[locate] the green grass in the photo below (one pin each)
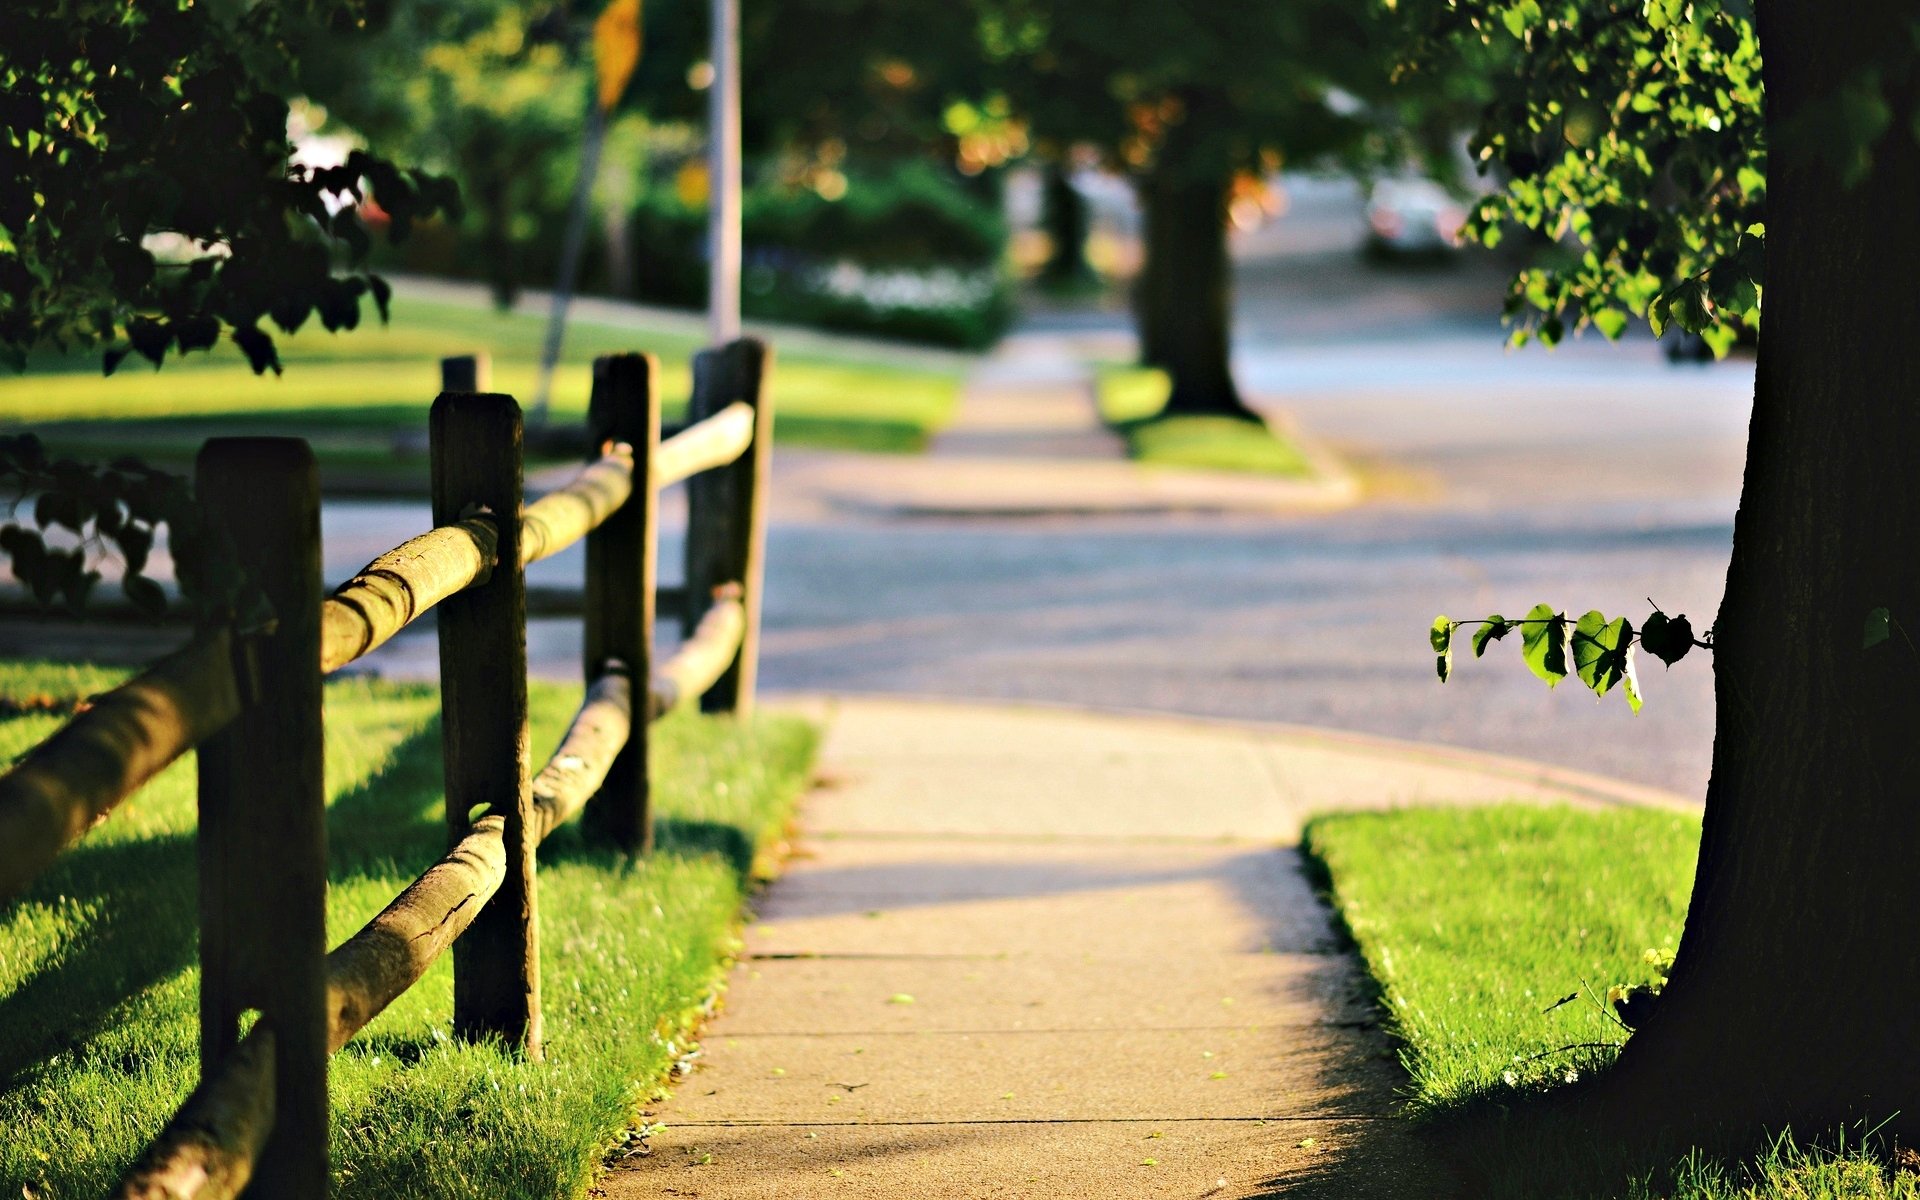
(1473, 923)
(351, 393)
(98, 981)
(1131, 400)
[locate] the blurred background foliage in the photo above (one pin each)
(858, 213)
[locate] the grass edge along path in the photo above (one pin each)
(1492, 935)
(98, 984)
(1130, 401)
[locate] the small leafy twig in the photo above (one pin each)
(1598, 651)
(124, 505)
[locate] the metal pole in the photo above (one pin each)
(571, 245)
(723, 137)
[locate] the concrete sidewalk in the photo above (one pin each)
(1047, 953)
(1028, 441)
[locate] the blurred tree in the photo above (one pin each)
(1067, 218)
(870, 79)
(147, 203)
(1186, 100)
(1637, 129)
(494, 92)
(146, 200)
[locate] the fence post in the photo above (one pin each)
(726, 511)
(622, 573)
(466, 373)
(476, 443)
(262, 794)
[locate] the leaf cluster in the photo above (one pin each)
(1630, 133)
(147, 202)
(120, 509)
(1205, 90)
(1597, 651)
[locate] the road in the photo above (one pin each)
(1595, 476)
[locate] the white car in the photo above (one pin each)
(1413, 216)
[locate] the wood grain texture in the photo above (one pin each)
(726, 511)
(390, 953)
(70, 782)
(387, 594)
(561, 518)
(263, 836)
(622, 585)
(208, 1150)
(476, 451)
(593, 742)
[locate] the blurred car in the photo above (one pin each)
(1410, 217)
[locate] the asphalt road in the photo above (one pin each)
(1595, 476)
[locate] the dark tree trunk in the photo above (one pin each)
(1063, 210)
(1793, 999)
(496, 236)
(1184, 296)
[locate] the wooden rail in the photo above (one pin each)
(392, 590)
(559, 519)
(250, 701)
(713, 442)
(70, 782)
(217, 1132)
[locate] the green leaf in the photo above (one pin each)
(1443, 664)
(1495, 628)
(1667, 638)
(1600, 650)
(1611, 322)
(1879, 628)
(1543, 636)
(1441, 636)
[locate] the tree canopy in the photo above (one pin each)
(492, 92)
(1631, 133)
(147, 202)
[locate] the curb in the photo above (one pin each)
(1599, 789)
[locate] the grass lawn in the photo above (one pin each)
(351, 393)
(1131, 399)
(1474, 922)
(98, 1032)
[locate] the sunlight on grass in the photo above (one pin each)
(354, 391)
(1131, 399)
(1476, 923)
(98, 1026)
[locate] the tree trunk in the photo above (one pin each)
(1793, 997)
(502, 267)
(1063, 211)
(1183, 298)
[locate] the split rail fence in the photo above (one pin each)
(250, 701)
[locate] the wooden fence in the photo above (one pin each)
(250, 701)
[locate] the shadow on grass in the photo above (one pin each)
(142, 927)
(142, 898)
(393, 820)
